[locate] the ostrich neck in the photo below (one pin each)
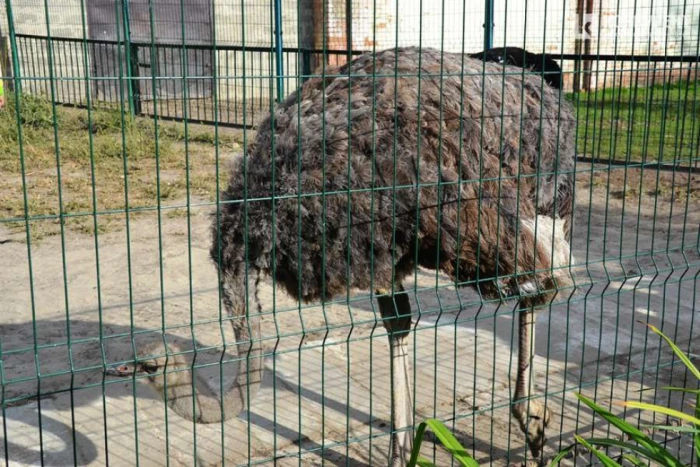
(204, 406)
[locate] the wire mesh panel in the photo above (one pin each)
(288, 232)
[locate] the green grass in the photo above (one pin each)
(650, 124)
(116, 143)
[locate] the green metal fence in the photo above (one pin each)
(117, 156)
(106, 56)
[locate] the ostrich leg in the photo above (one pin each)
(396, 312)
(532, 415)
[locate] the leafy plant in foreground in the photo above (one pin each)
(638, 451)
(446, 438)
(641, 448)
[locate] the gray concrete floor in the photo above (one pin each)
(330, 403)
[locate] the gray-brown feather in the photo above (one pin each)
(402, 145)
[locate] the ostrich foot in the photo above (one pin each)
(533, 417)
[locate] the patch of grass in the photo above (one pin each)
(103, 121)
(176, 213)
(126, 156)
(197, 134)
(651, 124)
(34, 111)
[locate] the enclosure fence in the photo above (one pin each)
(328, 213)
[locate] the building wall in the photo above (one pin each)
(63, 20)
(620, 27)
(250, 76)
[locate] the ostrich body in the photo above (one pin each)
(522, 58)
(413, 159)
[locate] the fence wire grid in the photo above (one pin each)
(332, 214)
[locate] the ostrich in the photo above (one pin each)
(524, 59)
(396, 160)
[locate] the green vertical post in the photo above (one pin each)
(488, 25)
(279, 59)
(348, 28)
(13, 70)
(131, 61)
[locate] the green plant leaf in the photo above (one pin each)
(661, 409)
(679, 429)
(446, 438)
(417, 441)
(613, 443)
(423, 462)
(607, 461)
(562, 454)
(634, 460)
(681, 355)
(451, 444)
(671, 388)
(634, 433)
(696, 438)
(693, 369)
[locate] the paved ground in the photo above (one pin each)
(330, 403)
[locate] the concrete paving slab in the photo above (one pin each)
(330, 405)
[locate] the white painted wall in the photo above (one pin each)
(63, 20)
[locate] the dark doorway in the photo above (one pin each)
(157, 56)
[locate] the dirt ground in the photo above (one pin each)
(324, 398)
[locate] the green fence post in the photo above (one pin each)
(488, 25)
(348, 28)
(8, 51)
(279, 64)
(128, 49)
